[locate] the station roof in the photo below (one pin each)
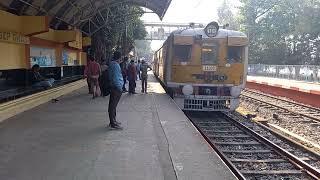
(77, 13)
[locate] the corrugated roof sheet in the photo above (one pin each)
(77, 12)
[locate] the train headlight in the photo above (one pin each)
(235, 91)
(208, 91)
(222, 78)
(187, 90)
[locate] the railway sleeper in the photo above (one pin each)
(248, 151)
(233, 139)
(286, 113)
(212, 122)
(222, 131)
(216, 126)
(315, 114)
(315, 124)
(259, 160)
(228, 136)
(273, 172)
(230, 129)
(304, 121)
(307, 159)
(238, 143)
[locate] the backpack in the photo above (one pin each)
(105, 84)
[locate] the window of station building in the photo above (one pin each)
(182, 52)
(209, 55)
(234, 54)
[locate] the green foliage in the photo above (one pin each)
(226, 16)
(282, 31)
(122, 27)
(143, 49)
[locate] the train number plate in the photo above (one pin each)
(209, 68)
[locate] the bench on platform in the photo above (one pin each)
(14, 93)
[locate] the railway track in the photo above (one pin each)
(286, 107)
(251, 154)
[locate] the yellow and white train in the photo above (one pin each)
(203, 69)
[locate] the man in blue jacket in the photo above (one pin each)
(116, 83)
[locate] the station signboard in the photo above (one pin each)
(12, 37)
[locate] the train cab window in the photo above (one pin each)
(209, 55)
(182, 52)
(234, 54)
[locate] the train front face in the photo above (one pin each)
(208, 68)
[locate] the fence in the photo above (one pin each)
(295, 72)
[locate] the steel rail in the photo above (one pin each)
(225, 159)
(284, 108)
(281, 136)
(303, 166)
(291, 102)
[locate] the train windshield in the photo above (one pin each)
(234, 54)
(182, 52)
(209, 55)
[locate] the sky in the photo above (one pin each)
(186, 11)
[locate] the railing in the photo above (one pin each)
(294, 72)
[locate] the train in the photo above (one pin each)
(203, 69)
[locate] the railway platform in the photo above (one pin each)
(69, 139)
(300, 91)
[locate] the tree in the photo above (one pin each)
(225, 16)
(282, 31)
(143, 49)
(119, 33)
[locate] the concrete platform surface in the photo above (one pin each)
(69, 140)
(302, 86)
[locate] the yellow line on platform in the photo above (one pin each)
(20, 105)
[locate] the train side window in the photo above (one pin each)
(234, 54)
(209, 55)
(182, 52)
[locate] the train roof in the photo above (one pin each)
(200, 31)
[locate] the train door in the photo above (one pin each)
(237, 55)
(168, 60)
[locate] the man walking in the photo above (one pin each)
(124, 70)
(144, 76)
(103, 79)
(132, 77)
(116, 83)
(138, 69)
(94, 72)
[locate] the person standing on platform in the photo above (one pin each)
(103, 80)
(144, 76)
(86, 74)
(116, 84)
(124, 70)
(132, 77)
(94, 72)
(138, 69)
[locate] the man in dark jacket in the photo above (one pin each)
(144, 76)
(132, 77)
(124, 71)
(103, 79)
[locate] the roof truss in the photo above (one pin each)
(89, 16)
